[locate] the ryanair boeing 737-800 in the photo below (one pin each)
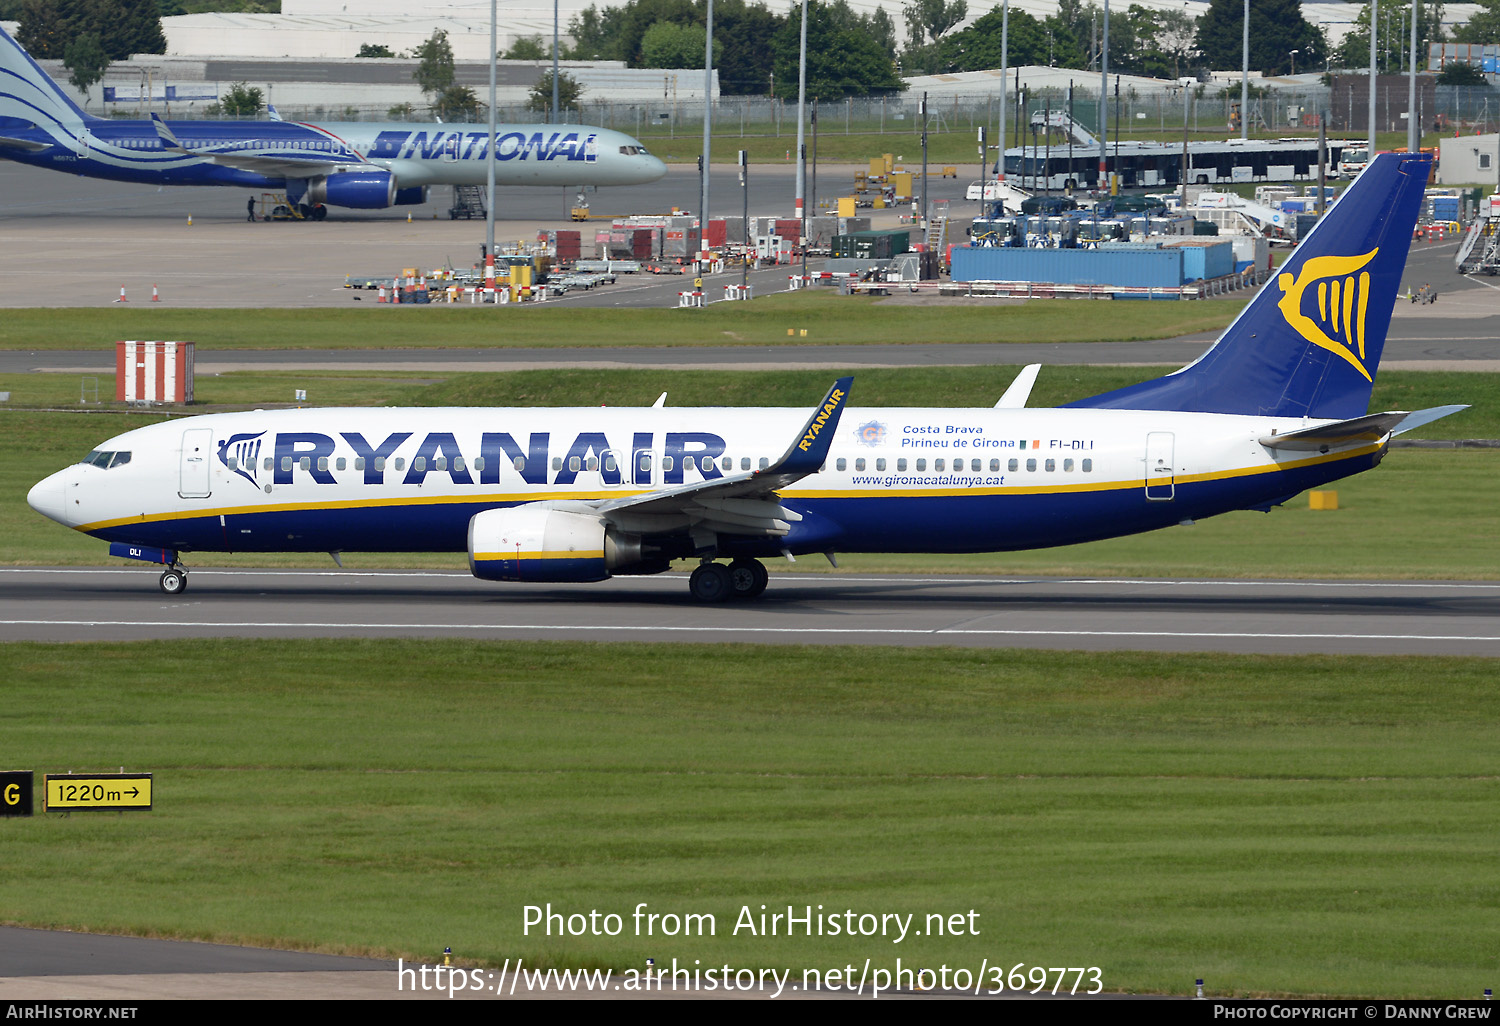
(1276, 406)
(365, 165)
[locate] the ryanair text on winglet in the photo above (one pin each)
(834, 398)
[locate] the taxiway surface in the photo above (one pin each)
(1249, 616)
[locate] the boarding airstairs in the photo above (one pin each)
(1480, 250)
(468, 202)
(1058, 121)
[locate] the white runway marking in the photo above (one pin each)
(677, 578)
(594, 628)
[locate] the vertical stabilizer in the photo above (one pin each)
(1309, 343)
(28, 95)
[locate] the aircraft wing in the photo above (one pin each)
(744, 503)
(308, 166)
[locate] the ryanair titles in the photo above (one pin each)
(401, 458)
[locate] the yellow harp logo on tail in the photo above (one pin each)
(1336, 320)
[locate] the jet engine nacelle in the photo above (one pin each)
(537, 542)
(363, 190)
(412, 196)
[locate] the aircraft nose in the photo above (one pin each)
(657, 170)
(48, 497)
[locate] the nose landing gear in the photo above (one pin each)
(173, 581)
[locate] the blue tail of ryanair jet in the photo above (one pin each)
(1309, 344)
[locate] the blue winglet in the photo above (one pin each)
(811, 447)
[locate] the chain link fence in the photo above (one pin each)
(1205, 110)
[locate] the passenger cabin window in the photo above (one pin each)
(901, 464)
(880, 464)
(744, 462)
(938, 464)
(1067, 465)
(1031, 466)
(994, 466)
(841, 464)
(1088, 466)
(859, 464)
(921, 464)
(1013, 466)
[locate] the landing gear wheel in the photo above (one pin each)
(173, 582)
(304, 211)
(319, 212)
(747, 578)
(710, 583)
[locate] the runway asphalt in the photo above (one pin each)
(1250, 616)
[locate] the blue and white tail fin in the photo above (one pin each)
(28, 96)
(1309, 344)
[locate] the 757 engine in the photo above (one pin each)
(544, 542)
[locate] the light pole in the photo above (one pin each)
(1245, 75)
(1294, 54)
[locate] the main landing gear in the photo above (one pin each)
(716, 582)
(173, 581)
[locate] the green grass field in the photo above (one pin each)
(1275, 825)
(1421, 514)
(828, 320)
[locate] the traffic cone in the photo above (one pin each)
(122, 298)
(408, 217)
(190, 220)
(154, 297)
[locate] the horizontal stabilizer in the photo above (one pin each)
(1358, 430)
(1416, 420)
(27, 145)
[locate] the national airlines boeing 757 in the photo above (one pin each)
(354, 164)
(1276, 406)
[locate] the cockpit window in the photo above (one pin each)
(630, 151)
(105, 460)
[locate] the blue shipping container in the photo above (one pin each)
(1445, 208)
(1200, 262)
(1136, 268)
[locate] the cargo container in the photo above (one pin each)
(1129, 268)
(881, 244)
(1203, 258)
(1250, 251)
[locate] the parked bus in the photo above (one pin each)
(1157, 164)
